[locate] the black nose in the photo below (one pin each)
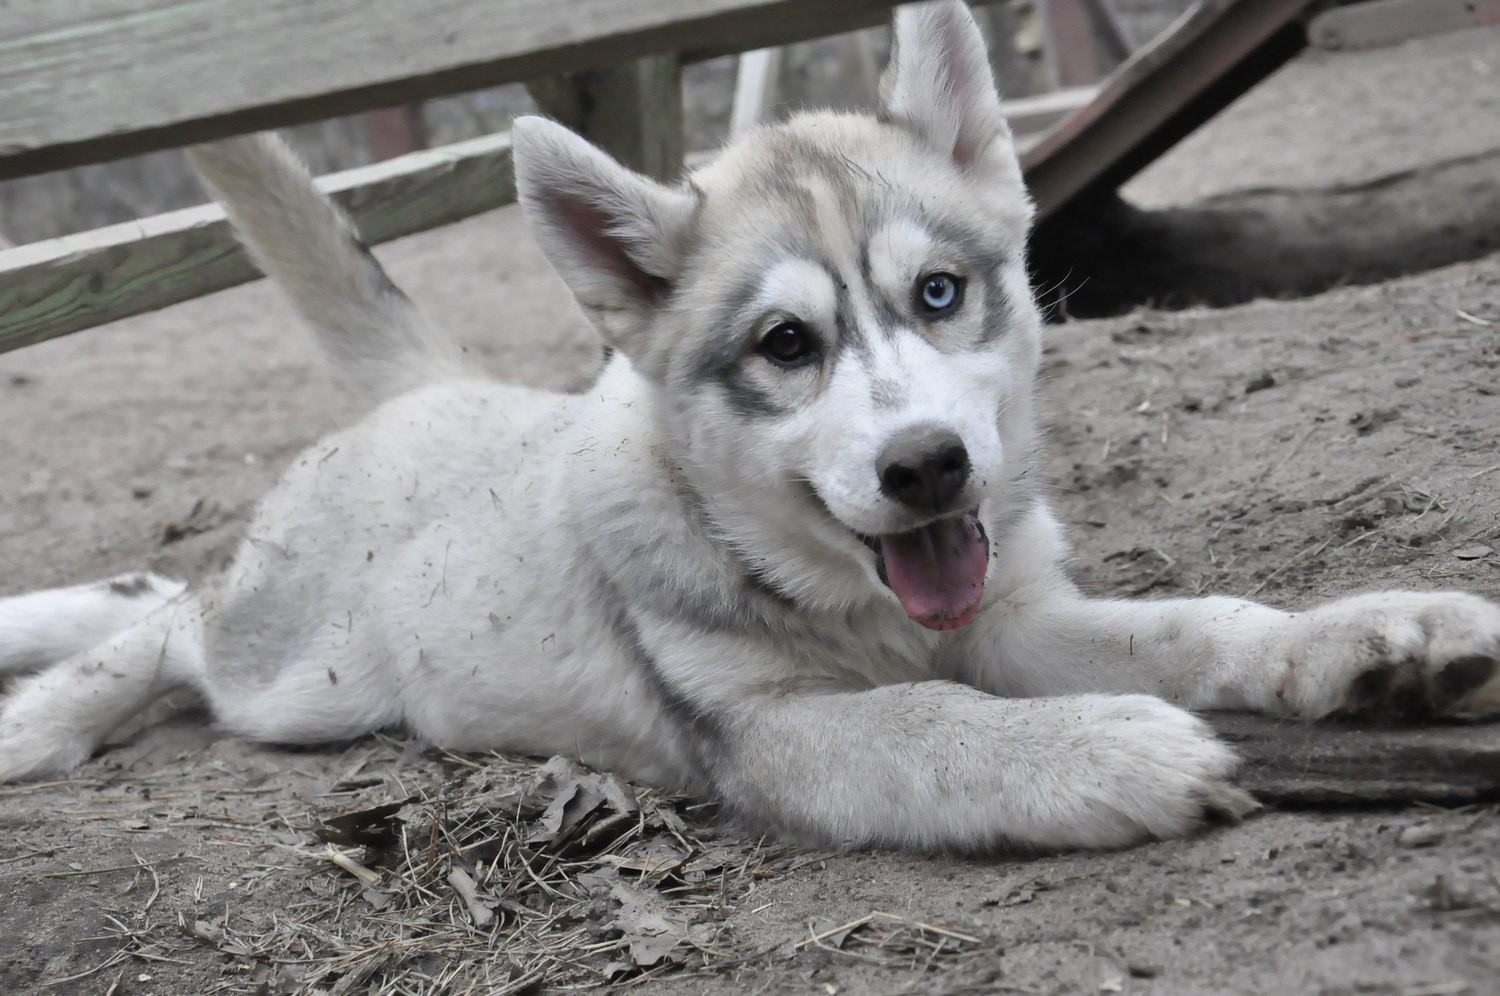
(924, 469)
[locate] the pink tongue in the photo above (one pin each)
(937, 571)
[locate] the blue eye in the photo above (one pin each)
(939, 294)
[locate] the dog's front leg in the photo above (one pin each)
(1399, 653)
(942, 766)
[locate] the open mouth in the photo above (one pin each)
(937, 571)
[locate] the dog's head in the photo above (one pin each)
(835, 317)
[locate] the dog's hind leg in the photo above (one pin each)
(54, 719)
(43, 627)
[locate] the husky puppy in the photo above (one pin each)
(791, 550)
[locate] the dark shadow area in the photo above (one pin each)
(1105, 258)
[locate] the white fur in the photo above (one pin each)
(666, 575)
(41, 627)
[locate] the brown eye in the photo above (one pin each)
(939, 294)
(789, 345)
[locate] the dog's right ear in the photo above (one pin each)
(617, 238)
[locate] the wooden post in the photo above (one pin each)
(1084, 40)
(1020, 69)
(633, 111)
(754, 89)
(396, 131)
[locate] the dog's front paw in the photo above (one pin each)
(1152, 771)
(1394, 656)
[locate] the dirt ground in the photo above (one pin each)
(1287, 449)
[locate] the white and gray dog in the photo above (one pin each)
(789, 551)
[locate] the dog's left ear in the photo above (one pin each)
(939, 85)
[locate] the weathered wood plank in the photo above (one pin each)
(1028, 115)
(633, 111)
(1323, 763)
(1207, 59)
(195, 70)
(52, 288)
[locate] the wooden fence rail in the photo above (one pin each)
(63, 285)
(89, 80)
(199, 69)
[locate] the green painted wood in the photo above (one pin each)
(52, 288)
(89, 80)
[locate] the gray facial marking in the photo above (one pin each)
(997, 310)
(746, 397)
(986, 265)
(966, 240)
(804, 171)
(725, 343)
(887, 315)
(851, 332)
(722, 361)
(795, 157)
(885, 393)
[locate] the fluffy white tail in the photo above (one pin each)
(376, 340)
(44, 627)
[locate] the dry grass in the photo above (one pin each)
(498, 879)
(502, 877)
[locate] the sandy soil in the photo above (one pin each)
(1290, 449)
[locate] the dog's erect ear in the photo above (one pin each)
(939, 85)
(617, 238)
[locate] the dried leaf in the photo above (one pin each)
(829, 934)
(655, 858)
(574, 793)
(651, 933)
(378, 900)
(376, 828)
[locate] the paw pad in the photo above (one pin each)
(1465, 674)
(1407, 691)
